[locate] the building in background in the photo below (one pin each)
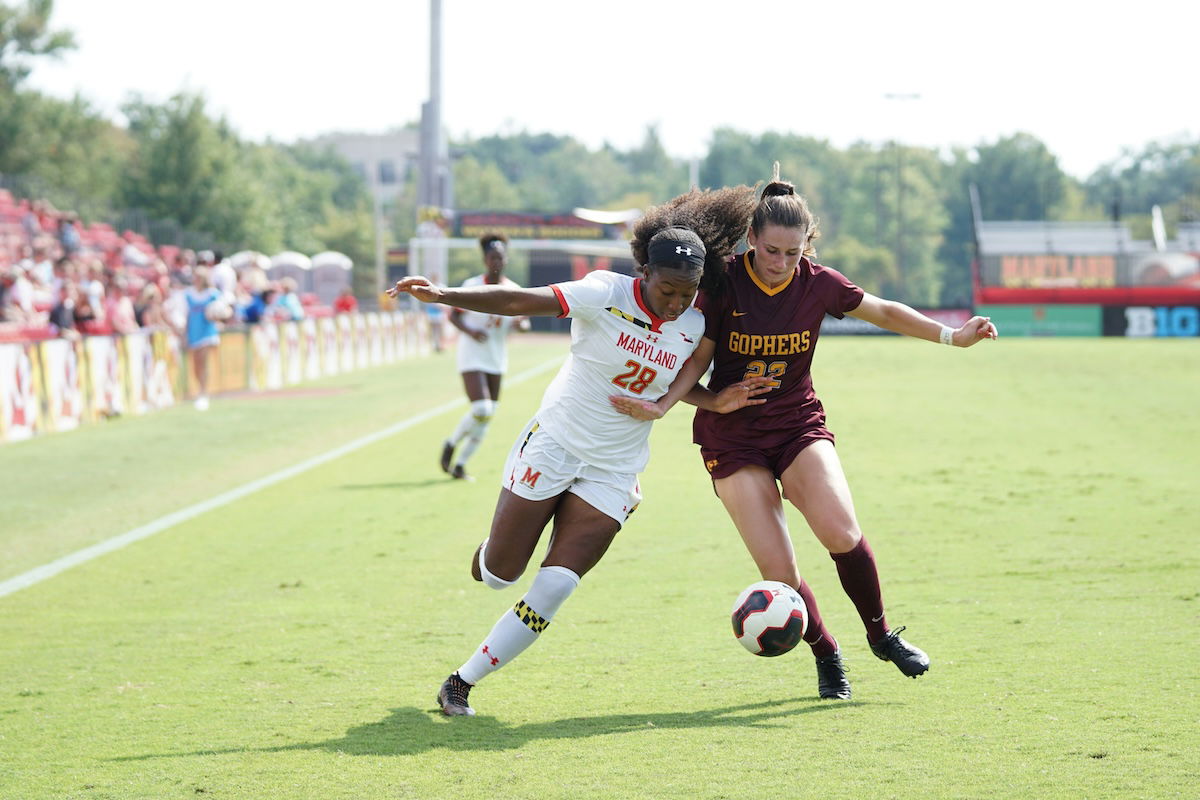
(385, 161)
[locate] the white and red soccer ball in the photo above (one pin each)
(769, 618)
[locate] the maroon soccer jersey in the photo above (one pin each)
(772, 332)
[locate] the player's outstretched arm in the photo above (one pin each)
(900, 318)
(506, 300)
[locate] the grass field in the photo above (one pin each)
(1032, 503)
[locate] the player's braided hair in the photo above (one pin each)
(780, 205)
(718, 216)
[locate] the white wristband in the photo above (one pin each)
(947, 335)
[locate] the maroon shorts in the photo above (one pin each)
(723, 463)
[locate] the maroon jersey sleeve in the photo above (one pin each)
(836, 290)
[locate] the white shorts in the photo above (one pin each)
(538, 468)
(490, 356)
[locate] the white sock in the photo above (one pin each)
(468, 448)
(463, 428)
(520, 627)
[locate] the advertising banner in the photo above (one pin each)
(19, 403)
(374, 339)
(327, 340)
(312, 352)
(61, 384)
(104, 374)
(228, 372)
(267, 370)
(1067, 320)
(1152, 321)
(65, 402)
(293, 359)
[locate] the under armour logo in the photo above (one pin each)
(684, 250)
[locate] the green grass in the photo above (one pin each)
(1031, 503)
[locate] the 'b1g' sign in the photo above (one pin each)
(1142, 321)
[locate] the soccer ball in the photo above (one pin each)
(769, 618)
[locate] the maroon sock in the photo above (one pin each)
(860, 579)
(818, 638)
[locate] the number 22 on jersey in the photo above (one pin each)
(774, 370)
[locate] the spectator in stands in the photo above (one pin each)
(185, 261)
(86, 314)
(175, 303)
(148, 309)
(92, 284)
(118, 307)
(63, 271)
(253, 277)
(68, 234)
(18, 297)
(254, 312)
(131, 254)
(224, 277)
(345, 302)
(41, 269)
(31, 221)
(287, 304)
(62, 316)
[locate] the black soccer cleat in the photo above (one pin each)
(460, 474)
(910, 660)
(831, 677)
(452, 697)
(447, 454)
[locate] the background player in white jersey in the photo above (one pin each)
(578, 460)
(482, 358)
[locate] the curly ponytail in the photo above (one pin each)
(718, 216)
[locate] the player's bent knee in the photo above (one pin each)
(489, 579)
(483, 410)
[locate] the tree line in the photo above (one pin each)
(896, 218)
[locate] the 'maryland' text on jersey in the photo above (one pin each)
(646, 351)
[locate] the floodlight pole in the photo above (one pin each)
(434, 191)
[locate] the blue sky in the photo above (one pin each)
(1087, 79)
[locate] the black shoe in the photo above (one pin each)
(452, 697)
(460, 474)
(910, 660)
(831, 677)
(447, 454)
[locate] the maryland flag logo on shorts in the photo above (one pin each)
(711, 465)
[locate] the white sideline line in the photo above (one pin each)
(39, 574)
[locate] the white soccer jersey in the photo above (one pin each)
(490, 355)
(618, 346)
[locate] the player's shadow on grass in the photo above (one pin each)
(408, 731)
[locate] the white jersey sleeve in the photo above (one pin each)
(490, 355)
(618, 346)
